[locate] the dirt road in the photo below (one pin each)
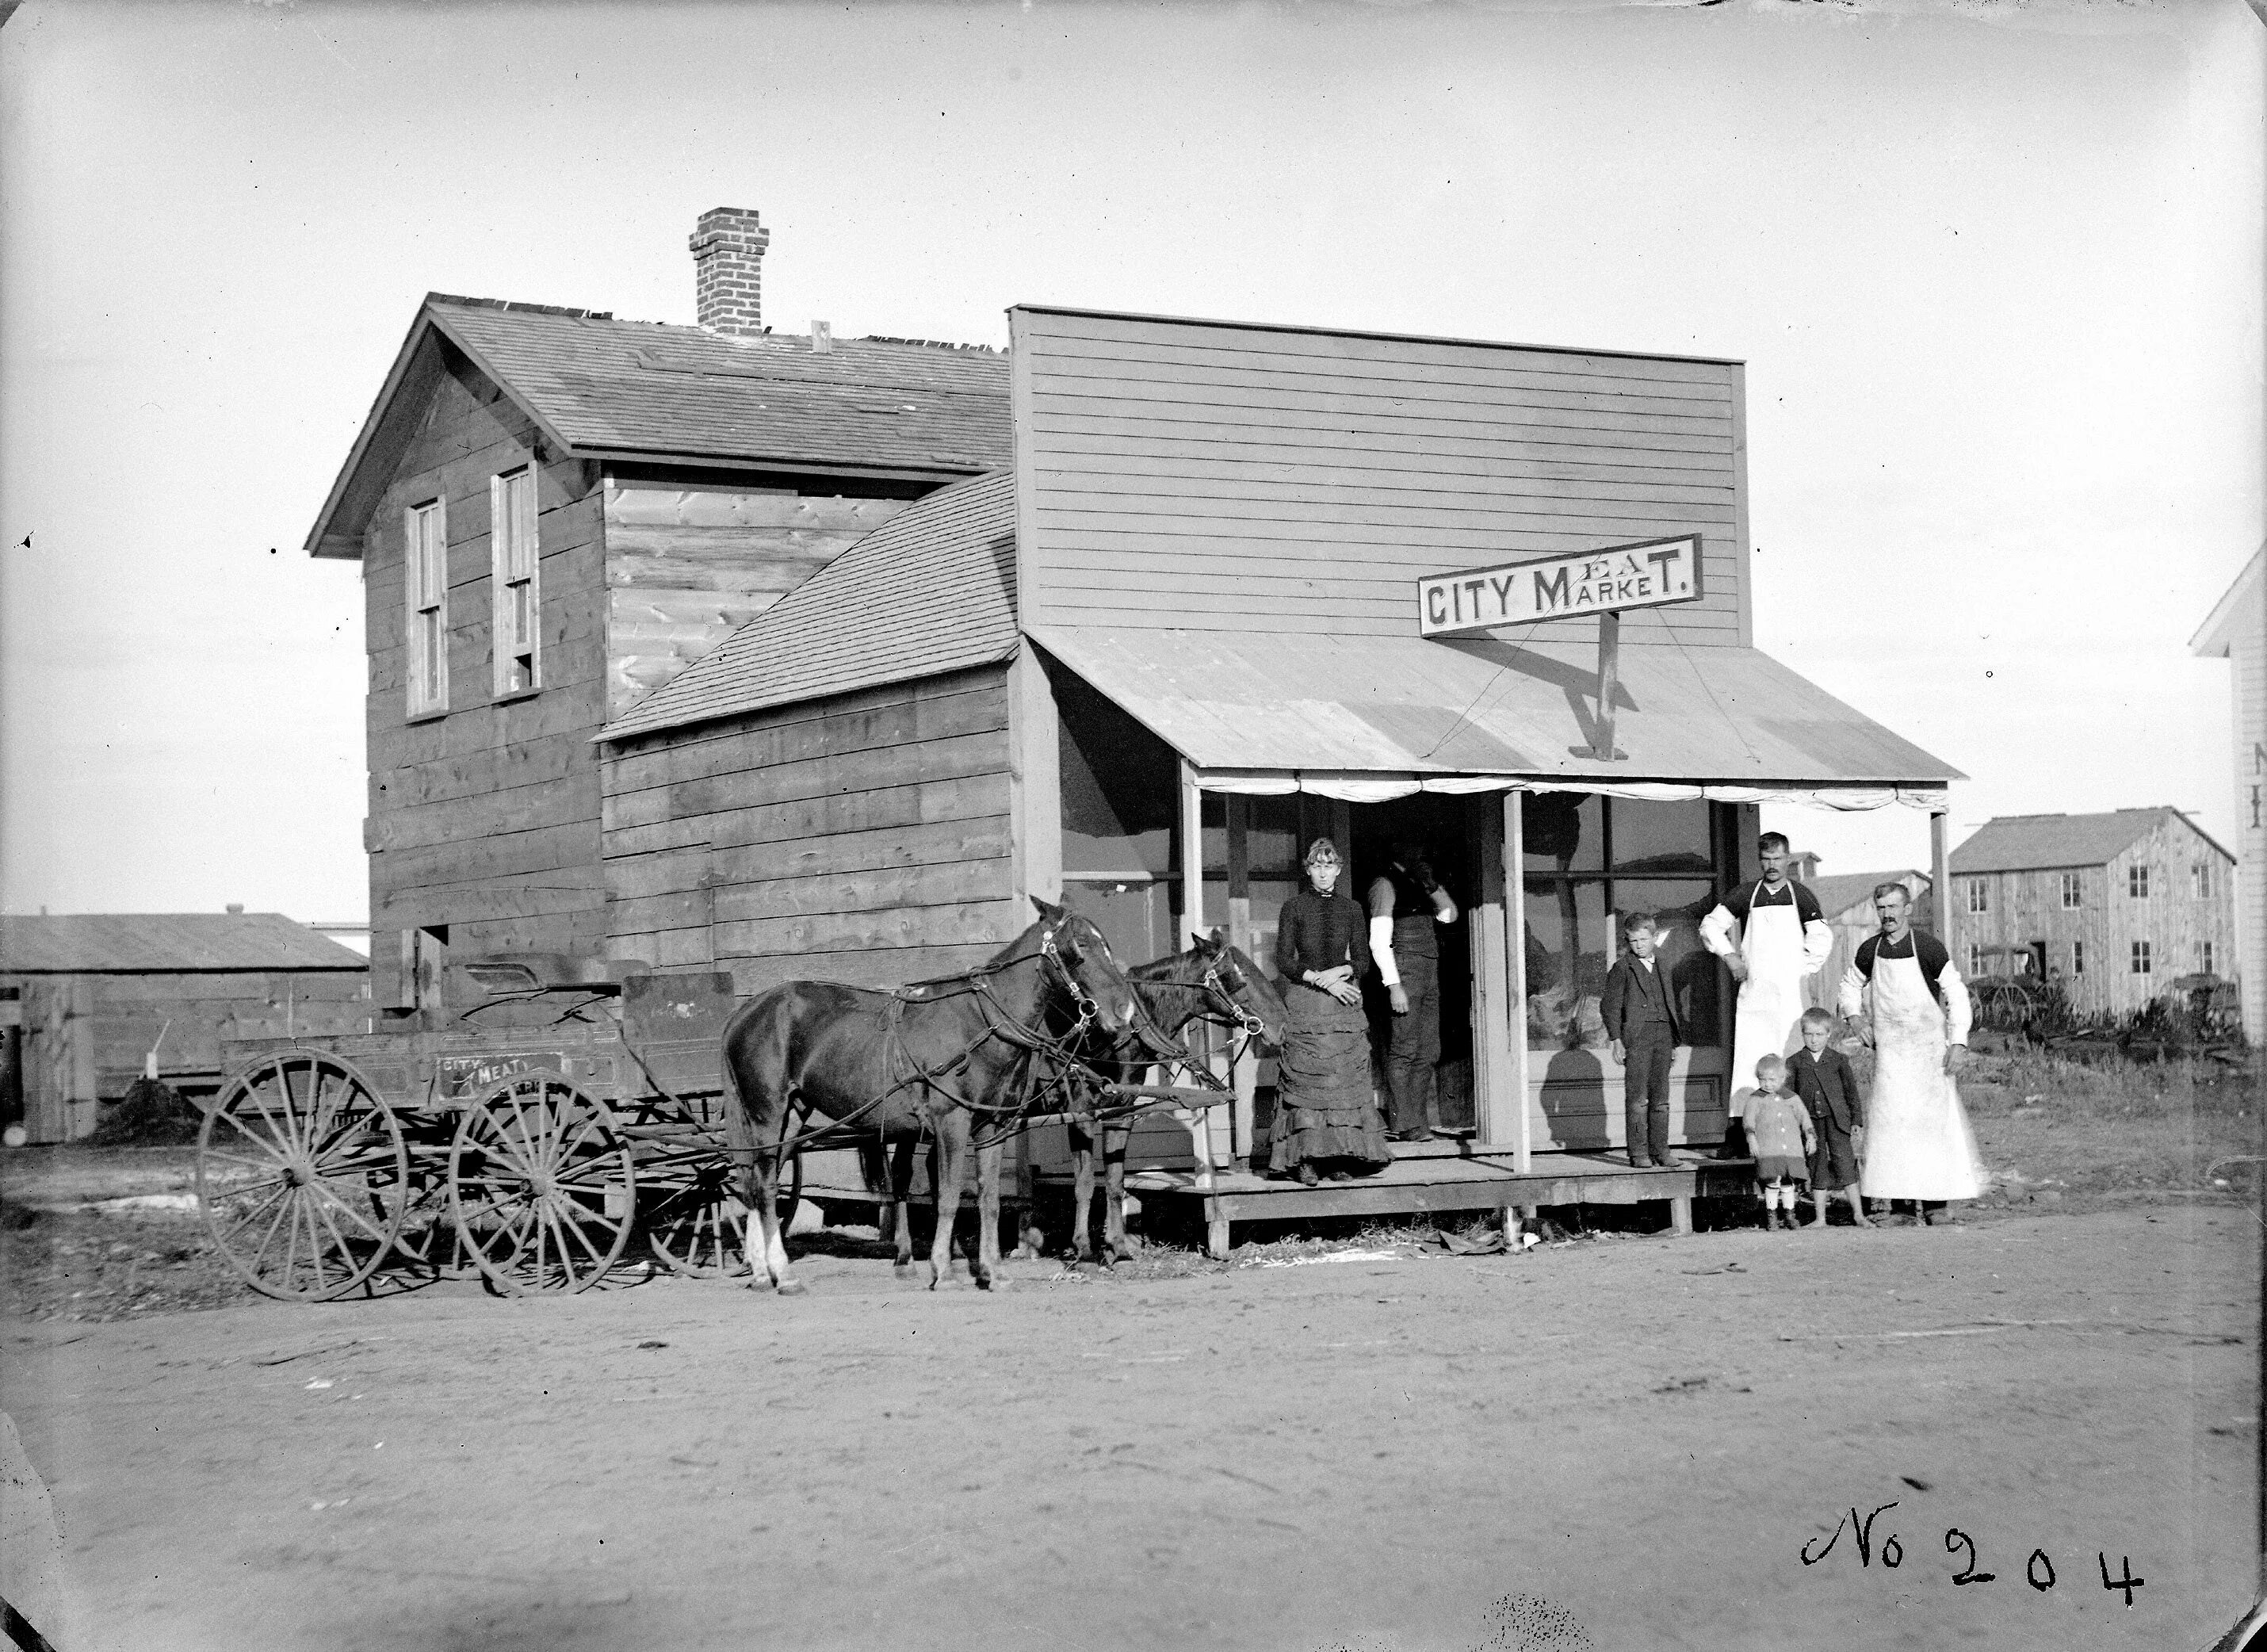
(1610, 1445)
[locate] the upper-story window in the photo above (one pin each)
(2072, 891)
(2137, 882)
(1979, 895)
(2200, 879)
(425, 576)
(513, 554)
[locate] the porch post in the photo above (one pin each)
(1207, 1129)
(1246, 1076)
(1514, 953)
(1493, 1074)
(1940, 878)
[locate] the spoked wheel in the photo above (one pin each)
(300, 1172)
(700, 1227)
(541, 1186)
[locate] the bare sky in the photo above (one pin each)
(1995, 269)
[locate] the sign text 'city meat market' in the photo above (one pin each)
(1645, 575)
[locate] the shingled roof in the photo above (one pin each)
(164, 943)
(930, 590)
(1842, 890)
(2040, 843)
(648, 392)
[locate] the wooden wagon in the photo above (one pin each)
(529, 1140)
(567, 1124)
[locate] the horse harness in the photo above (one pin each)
(1059, 1066)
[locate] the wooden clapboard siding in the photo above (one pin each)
(484, 818)
(2246, 655)
(687, 566)
(864, 837)
(2026, 907)
(1211, 477)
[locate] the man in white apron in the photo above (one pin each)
(1918, 1145)
(1773, 935)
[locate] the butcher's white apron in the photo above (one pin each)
(1770, 998)
(1919, 1144)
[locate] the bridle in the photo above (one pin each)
(1224, 982)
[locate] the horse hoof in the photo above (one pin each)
(791, 1287)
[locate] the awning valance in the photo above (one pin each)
(1386, 787)
(1371, 718)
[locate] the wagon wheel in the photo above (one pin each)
(541, 1187)
(300, 1172)
(699, 1227)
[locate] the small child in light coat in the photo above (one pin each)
(1781, 1136)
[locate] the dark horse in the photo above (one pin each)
(1212, 980)
(942, 1059)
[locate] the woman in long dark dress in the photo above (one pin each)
(1326, 1122)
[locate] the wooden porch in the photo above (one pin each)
(1440, 1178)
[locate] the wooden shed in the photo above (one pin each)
(86, 998)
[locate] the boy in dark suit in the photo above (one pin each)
(1823, 1079)
(1640, 1011)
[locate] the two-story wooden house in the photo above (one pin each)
(2116, 905)
(556, 513)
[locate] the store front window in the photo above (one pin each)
(1590, 862)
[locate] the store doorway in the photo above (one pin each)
(1446, 829)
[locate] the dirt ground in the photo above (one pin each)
(1618, 1443)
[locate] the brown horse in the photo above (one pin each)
(937, 1059)
(1213, 982)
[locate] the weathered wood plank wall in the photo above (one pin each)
(1187, 474)
(2023, 907)
(85, 1036)
(865, 838)
(686, 566)
(484, 818)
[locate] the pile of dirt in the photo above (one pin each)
(153, 1114)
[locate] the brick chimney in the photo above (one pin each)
(728, 259)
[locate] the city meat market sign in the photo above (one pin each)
(1644, 576)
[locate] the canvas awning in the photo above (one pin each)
(1369, 718)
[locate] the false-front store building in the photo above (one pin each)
(1201, 619)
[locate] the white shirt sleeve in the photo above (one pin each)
(1381, 950)
(1957, 1012)
(1817, 946)
(1720, 931)
(1850, 998)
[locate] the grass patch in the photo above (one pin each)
(2120, 1127)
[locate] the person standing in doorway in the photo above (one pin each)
(1406, 906)
(1772, 934)
(1903, 995)
(1326, 1124)
(1638, 1008)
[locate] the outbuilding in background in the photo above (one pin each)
(93, 994)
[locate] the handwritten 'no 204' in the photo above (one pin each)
(2038, 1571)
